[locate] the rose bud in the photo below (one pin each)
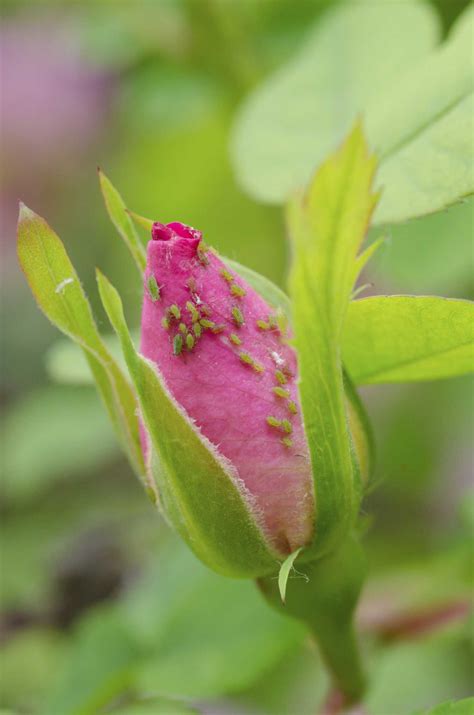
(225, 355)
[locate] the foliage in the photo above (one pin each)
(354, 63)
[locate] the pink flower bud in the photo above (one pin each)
(225, 356)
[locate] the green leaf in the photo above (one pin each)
(352, 56)
(416, 100)
(222, 531)
(57, 289)
(408, 338)
(122, 221)
(285, 570)
(453, 707)
(328, 226)
(422, 130)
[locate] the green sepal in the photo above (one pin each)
(327, 227)
(197, 488)
(285, 570)
(123, 223)
(59, 294)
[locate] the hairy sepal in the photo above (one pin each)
(59, 294)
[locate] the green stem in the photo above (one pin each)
(326, 602)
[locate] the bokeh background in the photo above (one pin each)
(101, 609)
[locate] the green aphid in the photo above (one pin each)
(235, 339)
(207, 324)
(273, 422)
(193, 311)
(153, 289)
(227, 276)
(237, 290)
(177, 344)
(273, 322)
(281, 377)
(182, 328)
(165, 323)
(282, 322)
(258, 367)
(189, 341)
(287, 426)
(197, 330)
(218, 328)
(237, 316)
(205, 310)
(246, 358)
(201, 254)
(281, 392)
(174, 311)
(286, 442)
(262, 325)
(293, 407)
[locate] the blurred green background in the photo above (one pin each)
(100, 609)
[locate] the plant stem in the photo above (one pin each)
(326, 601)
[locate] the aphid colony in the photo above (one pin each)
(199, 316)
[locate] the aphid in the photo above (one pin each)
(177, 344)
(165, 323)
(237, 316)
(293, 407)
(235, 339)
(218, 328)
(287, 426)
(246, 358)
(273, 421)
(282, 321)
(207, 324)
(193, 312)
(201, 254)
(281, 392)
(237, 290)
(182, 328)
(227, 276)
(281, 377)
(205, 309)
(257, 366)
(286, 442)
(272, 320)
(197, 330)
(262, 325)
(153, 289)
(189, 341)
(174, 311)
